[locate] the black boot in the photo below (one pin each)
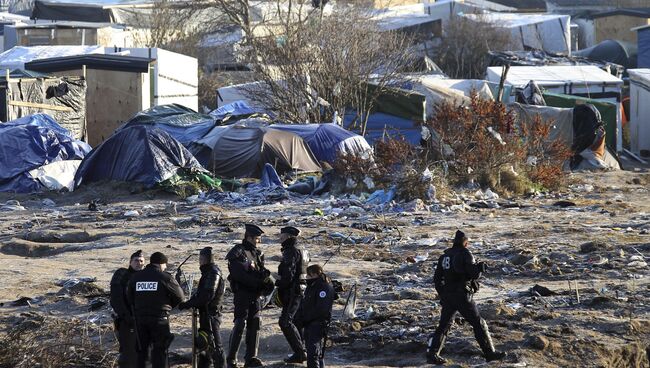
(436, 342)
(235, 341)
(485, 342)
(295, 342)
(252, 345)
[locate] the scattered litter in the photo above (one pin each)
(12, 205)
(542, 291)
(131, 213)
(370, 184)
(564, 204)
(49, 203)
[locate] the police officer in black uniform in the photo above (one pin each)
(456, 280)
(249, 280)
(152, 294)
(123, 319)
(316, 312)
(292, 271)
(208, 299)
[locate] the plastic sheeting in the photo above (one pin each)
(57, 175)
(237, 108)
(613, 51)
(141, 154)
(381, 125)
(184, 124)
(239, 151)
(29, 143)
(326, 141)
(16, 57)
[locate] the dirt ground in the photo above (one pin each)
(594, 235)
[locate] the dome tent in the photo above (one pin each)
(140, 153)
(236, 151)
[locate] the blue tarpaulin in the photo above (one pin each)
(182, 123)
(141, 154)
(29, 143)
(380, 124)
(327, 140)
(237, 108)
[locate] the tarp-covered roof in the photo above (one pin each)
(16, 57)
(91, 61)
(141, 154)
(558, 75)
(29, 143)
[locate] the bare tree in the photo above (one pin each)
(463, 52)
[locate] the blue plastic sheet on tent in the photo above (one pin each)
(141, 154)
(270, 177)
(182, 123)
(380, 124)
(325, 140)
(29, 143)
(237, 108)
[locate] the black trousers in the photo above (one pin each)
(128, 357)
(314, 334)
(154, 333)
(214, 355)
(288, 324)
(247, 315)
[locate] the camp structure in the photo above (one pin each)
(541, 58)
(235, 109)
(36, 153)
(640, 111)
(98, 11)
(139, 154)
(182, 123)
(612, 51)
(236, 151)
(578, 128)
(328, 141)
(547, 32)
(643, 46)
(616, 23)
(445, 10)
(16, 57)
(63, 98)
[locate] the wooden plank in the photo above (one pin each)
(39, 106)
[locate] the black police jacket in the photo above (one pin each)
(317, 303)
(119, 283)
(209, 293)
(153, 293)
(246, 274)
(290, 268)
(456, 271)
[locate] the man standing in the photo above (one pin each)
(208, 299)
(152, 294)
(292, 270)
(249, 279)
(316, 314)
(123, 319)
(456, 281)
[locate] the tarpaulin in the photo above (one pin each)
(29, 143)
(57, 175)
(237, 108)
(327, 140)
(184, 124)
(384, 125)
(141, 154)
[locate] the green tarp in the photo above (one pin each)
(607, 112)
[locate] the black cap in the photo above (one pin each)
(290, 230)
(207, 253)
(459, 238)
(137, 254)
(158, 258)
(253, 230)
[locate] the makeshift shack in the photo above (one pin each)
(242, 151)
(78, 33)
(643, 46)
(615, 24)
(36, 154)
(16, 57)
(63, 98)
(640, 111)
(444, 10)
(541, 58)
(547, 32)
(139, 154)
(98, 11)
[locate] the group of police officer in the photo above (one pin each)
(143, 298)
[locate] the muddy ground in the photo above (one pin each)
(594, 235)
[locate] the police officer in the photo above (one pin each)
(153, 293)
(208, 299)
(455, 280)
(249, 280)
(316, 311)
(292, 271)
(123, 319)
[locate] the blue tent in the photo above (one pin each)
(326, 141)
(141, 154)
(29, 143)
(182, 123)
(382, 124)
(237, 108)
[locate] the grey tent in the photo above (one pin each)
(235, 151)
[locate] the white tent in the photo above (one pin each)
(639, 110)
(547, 32)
